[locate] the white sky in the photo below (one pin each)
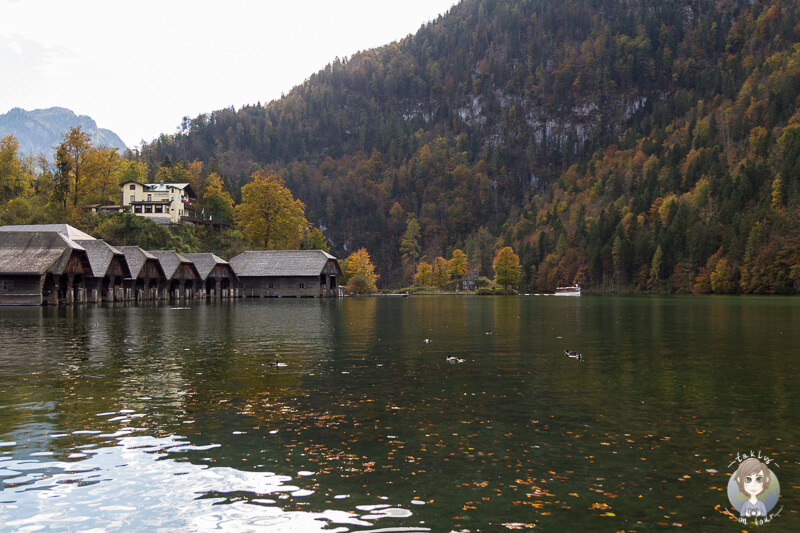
(138, 67)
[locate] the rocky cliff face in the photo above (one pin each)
(38, 131)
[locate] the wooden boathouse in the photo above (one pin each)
(146, 274)
(110, 269)
(38, 267)
(57, 263)
(182, 277)
(217, 276)
(287, 274)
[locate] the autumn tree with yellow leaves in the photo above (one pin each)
(359, 273)
(424, 275)
(217, 202)
(506, 267)
(459, 265)
(102, 170)
(71, 155)
(440, 271)
(269, 216)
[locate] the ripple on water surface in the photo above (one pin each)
(137, 484)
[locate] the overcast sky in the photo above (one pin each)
(138, 67)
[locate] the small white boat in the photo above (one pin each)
(572, 290)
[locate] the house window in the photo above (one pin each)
(148, 209)
(6, 285)
(149, 197)
(159, 209)
(301, 285)
(137, 209)
(270, 285)
(133, 187)
(133, 198)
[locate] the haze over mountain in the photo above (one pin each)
(38, 131)
(620, 144)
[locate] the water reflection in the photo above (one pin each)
(137, 485)
(133, 418)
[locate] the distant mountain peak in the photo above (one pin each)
(40, 130)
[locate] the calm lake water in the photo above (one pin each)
(336, 415)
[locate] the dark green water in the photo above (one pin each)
(177, 419)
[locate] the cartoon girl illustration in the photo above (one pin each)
(753, 479)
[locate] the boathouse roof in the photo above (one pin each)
(38, 253)
(171, 260)
(136, 259)
(282, 263)
(65, 229)
(100, 256)
(205, 263)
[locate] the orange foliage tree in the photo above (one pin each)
(359, 273)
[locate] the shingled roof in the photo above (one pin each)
(100, 256)
(170, 261)
(37, 253)
(136, 259)
(281, 263)
(65, 229)
(205, 263)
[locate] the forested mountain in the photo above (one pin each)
(623, 145)
(39, 130)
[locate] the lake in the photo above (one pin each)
(338, 415)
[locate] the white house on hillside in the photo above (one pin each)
(164, 203)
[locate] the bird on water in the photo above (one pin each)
(573, 355)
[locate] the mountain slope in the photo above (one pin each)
(39, 130)
(626, 145)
